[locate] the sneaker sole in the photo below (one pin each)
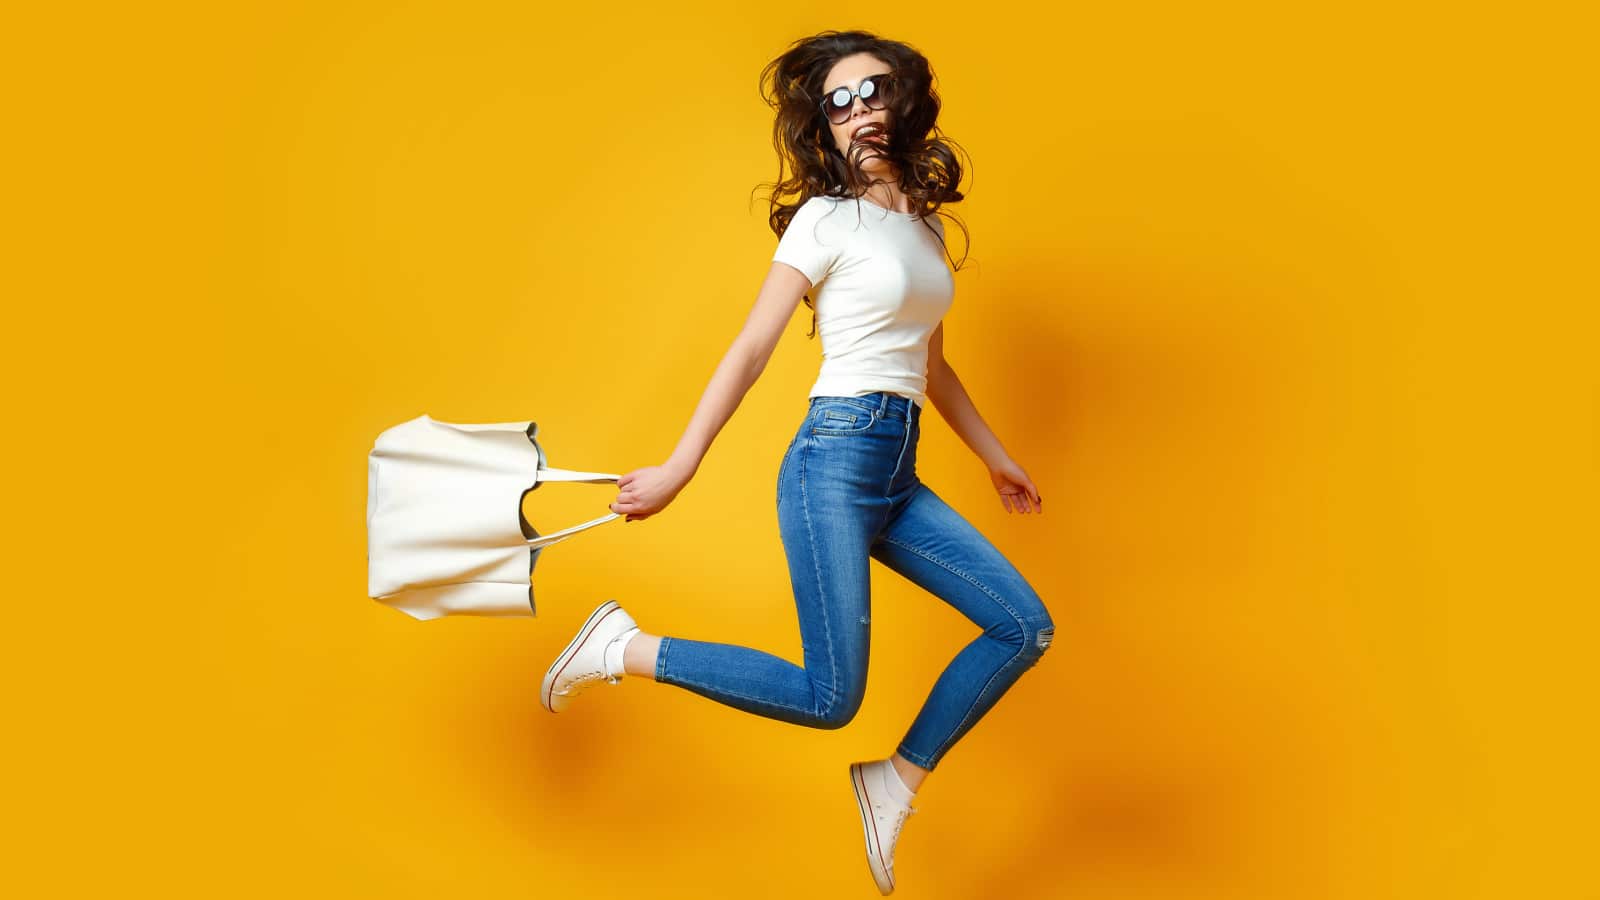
(573, 646)
(869, 829)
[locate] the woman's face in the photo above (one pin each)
(849, 72)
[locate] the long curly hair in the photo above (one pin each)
(810, 165)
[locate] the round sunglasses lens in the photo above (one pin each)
(880, 92)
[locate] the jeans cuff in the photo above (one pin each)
(914, 758)
(661, 657)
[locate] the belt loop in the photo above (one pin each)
(883, 405)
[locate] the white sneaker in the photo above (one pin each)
(882, 815)
(584, 662)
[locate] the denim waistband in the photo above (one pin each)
(886, 404)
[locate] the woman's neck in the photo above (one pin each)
(886, 192)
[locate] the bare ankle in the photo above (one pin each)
(640, 656)
(909, 772)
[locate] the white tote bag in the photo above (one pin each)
(445, 530)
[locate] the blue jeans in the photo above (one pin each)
(848, 490)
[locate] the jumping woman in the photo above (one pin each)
(856, 126)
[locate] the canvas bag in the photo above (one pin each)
(445, 530)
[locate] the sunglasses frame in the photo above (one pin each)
(878, 88)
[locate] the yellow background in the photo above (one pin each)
(1288, 311)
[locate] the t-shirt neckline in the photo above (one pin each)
(907, 215)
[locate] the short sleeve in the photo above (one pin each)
(806, 244)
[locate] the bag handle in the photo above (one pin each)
(568, 475)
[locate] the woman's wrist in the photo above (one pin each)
(684, 468)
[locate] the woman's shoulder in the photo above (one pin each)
(815, 208)
(822, 202)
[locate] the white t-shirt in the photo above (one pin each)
(880, 286)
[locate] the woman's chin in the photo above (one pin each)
(874, 164)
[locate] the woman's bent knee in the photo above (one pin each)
(838, 712)
(1038, 631)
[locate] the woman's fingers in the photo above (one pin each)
(1016, 502)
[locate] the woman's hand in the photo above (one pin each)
(1015, 487)
(647, 491)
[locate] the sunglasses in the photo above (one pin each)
(875, 91)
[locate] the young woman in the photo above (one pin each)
(856, 124)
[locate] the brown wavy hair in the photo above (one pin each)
(809, 165)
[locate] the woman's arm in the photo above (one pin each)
(648, 490)
(949, 396)
(742, 365)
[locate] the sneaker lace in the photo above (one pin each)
(583, 681)
(894, 836)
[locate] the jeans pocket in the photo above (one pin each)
(841, 419)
